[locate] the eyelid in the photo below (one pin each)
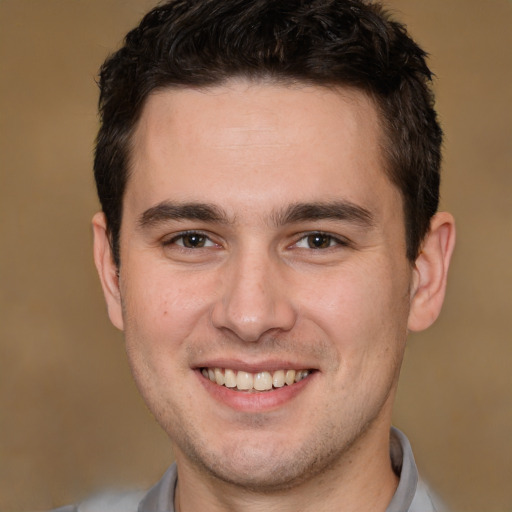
(337, 239)
(166, 241)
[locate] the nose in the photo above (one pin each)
(254, 300)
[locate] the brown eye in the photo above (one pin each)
(319, 241)
(192, 240)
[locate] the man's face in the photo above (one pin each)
(260, 234)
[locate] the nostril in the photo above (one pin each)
(251, 324)
(252, 299)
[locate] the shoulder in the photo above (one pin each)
(426, 500)
(412, 494)
(159, 497)
(108, 502)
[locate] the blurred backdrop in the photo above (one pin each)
(71, 420)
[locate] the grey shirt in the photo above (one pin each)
(411, 495)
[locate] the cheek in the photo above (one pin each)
(161, 312)
(362, 309)
(161, 315)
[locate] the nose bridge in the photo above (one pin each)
(253, 299)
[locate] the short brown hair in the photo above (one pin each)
(197, 43)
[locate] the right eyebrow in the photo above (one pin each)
(336, 210)
(168, 210)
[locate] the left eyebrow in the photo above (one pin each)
(168, 210)
(335, 210)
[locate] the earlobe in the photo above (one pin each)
(431, 271)
(107, 269)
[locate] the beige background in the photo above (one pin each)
(70, 417)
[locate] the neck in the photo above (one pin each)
(362, 479)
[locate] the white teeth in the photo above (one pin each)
(229, 379)
(298, 376)
(301, 375)
(290, 377)
(244, 381)
(219, 376)
(278, 379)
(262, 381)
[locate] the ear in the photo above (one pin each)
(107, 269)
(431, 271)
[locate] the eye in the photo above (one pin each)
(318, 241)
(191, 240)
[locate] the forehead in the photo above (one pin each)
(309, 141)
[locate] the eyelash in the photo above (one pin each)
(181, 236)
(332, 240)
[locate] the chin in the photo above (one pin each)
(268, 476)
(269, 467)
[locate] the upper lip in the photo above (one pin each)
(269, 365)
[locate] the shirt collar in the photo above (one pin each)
(160, 498)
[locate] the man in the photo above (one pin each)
(269, 179)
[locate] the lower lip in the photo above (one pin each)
(259, 401)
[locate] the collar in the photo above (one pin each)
(160, 498)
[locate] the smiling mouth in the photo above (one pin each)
(261, 381)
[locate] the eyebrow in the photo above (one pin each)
(294, 213)
(168, 210)
(335, 210)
